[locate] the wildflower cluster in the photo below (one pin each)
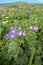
(35, 28)
(17, 31)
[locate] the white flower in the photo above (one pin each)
(4, 22)
(7, 17)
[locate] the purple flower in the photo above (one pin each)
(13, 31)
(35, 28)
(31, 27)
(11, 34)
(11, 28)
(19, 33)
(19, 28)
(24, 33)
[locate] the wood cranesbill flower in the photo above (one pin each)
(19, 28)
(31, 27)
(19, 33)
(24, 33)
(35, 28)
(12, 33)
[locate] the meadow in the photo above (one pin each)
(21, 34)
